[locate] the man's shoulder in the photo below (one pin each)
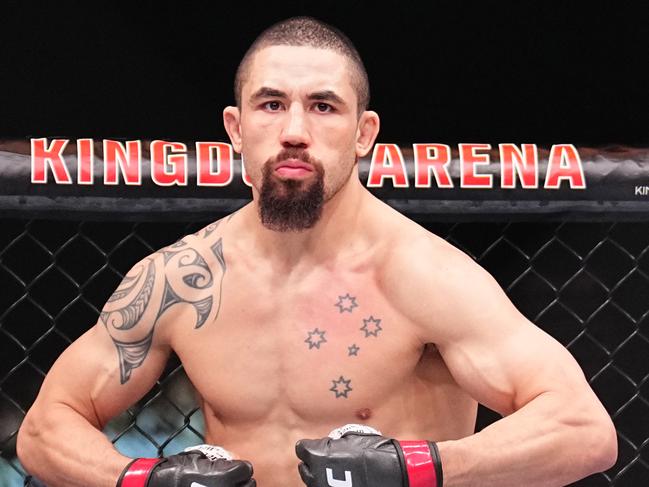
(413, 249)
(406, 240)
(188, 272)
(203, 241)
(201, 251)
(423, 272)
(190, 263)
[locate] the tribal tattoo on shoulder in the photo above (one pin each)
(184, 276)
(208, 230)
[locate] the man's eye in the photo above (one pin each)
(273, 106)
(324, 107)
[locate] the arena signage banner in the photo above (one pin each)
(108, 178)
(430, 165)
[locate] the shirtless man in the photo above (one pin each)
(314, 306)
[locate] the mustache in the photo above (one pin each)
(295, 153)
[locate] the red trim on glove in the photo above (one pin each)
(138, 472)
(419, 464)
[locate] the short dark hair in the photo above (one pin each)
(307, 31)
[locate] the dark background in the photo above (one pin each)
(442, 71)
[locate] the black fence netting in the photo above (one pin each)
(586, 283)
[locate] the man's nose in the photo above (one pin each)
(295, 132)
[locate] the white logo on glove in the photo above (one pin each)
(353, 428)
(338, 483)
(212, 452)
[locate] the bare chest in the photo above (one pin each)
(328, 347)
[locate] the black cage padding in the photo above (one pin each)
(616, 188)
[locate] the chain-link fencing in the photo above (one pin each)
(587, 284)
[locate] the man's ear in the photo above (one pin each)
(232, 124)
(368, 129)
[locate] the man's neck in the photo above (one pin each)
(336, 232)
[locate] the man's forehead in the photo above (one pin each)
(296, 66)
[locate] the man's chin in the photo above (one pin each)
(280, 227)
(287, 222)
(288, 213)
(291, 204)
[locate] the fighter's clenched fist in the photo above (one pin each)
(359, 456)
(197, 466)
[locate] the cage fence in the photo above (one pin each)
(585, 283)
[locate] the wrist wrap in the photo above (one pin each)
(423, 463)
(136, 473)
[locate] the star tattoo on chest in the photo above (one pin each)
(341, 387)
(353, 350)
(318, 340)
(346, 303)
(371, 326)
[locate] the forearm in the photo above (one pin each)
(546, 443)
(61, 448)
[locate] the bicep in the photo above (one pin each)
(118, 360)
(506, 363)
(493, 352)
(87, 378)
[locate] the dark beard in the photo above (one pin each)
(291, 205)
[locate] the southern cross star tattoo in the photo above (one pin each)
(318, 341)
(346, 303)
(371, 326)
(353, 350)
(341, 387)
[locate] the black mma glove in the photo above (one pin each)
(197, 466)
(359, 456)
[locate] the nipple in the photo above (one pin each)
(364, 413)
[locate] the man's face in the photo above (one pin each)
(299, 128)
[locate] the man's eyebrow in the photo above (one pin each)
(326, 95)
(266, 92)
